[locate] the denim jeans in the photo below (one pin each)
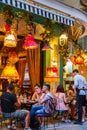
(37, 110)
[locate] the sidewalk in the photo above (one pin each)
(68, 126)
(62, 126)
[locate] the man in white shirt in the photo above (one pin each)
(80, 86)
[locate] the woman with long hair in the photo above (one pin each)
(61, 103)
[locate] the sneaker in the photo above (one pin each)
(62, 119)
(9, 126)
(83, 120)
(67, 121)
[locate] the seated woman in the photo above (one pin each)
(38, 94)
(61, 100)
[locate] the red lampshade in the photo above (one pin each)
(47, 47)
(30, 42)
(52, 72)
(7, 28)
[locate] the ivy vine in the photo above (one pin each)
(10, 13)
(52, 28)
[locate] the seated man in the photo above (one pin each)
(8, 105)
(46, 105)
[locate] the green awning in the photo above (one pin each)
(41, 11)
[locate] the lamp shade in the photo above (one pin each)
(10, 72)
(79, 60)
(8, 28)
(30, 42)
(10, 40)
(46, 47)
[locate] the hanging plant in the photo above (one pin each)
(8, 14)
(27, 17)
(54, 28)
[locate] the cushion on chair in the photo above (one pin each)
(44, 115)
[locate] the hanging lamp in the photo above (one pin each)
(10, 72)
(30, 42)
(10, 40)
(47, 47)
(79, 60)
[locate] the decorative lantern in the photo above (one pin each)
(52, 71)
(30, 42)
(79, 60)
(46, 47)
(8, 28)
(10, 40)
(10, 72)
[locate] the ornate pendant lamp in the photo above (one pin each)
(79, 60)
(30, 42)
(47, 47)
(10, 72)
(10, 39)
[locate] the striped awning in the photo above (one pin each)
(44, 12)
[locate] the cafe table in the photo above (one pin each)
(28, 105)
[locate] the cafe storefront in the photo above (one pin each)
(46, 59)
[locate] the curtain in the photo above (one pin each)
(21, 70)
(33, 59)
